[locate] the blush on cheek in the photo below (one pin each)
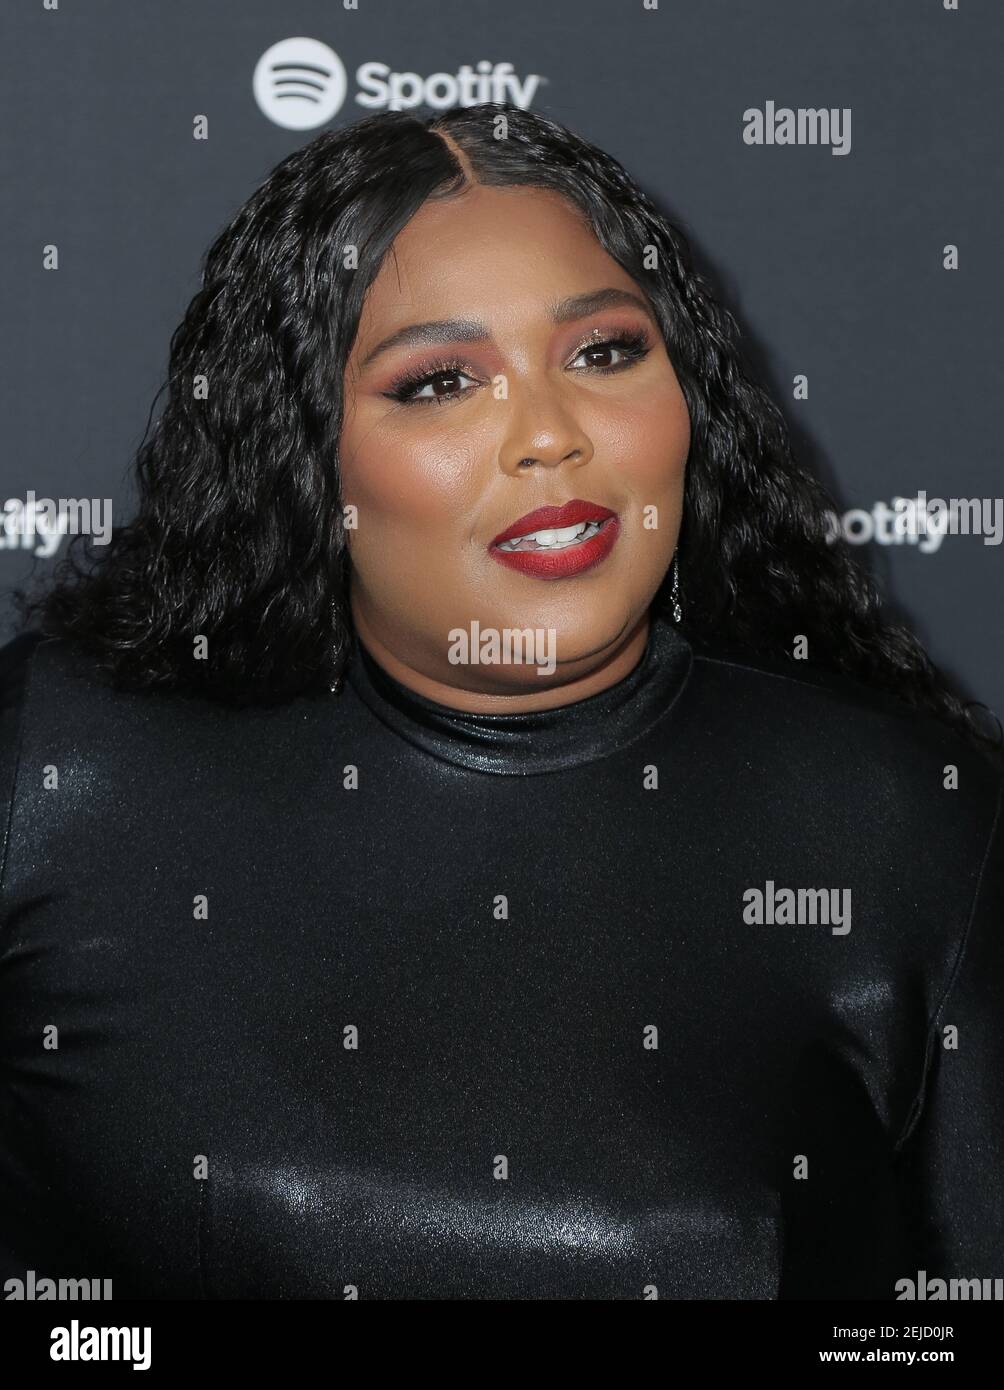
(661, 444)
(415, 497)
(410, 524)
(386, 491)
(653, 469)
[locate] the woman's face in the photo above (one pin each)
(505, 363)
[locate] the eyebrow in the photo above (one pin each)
(578, 306)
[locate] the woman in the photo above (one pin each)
(472, 836)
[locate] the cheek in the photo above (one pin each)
(649, 440)
(424, 482)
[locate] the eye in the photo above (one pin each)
(628, 347)
(439, 383)
(420, 388)
(429, 392)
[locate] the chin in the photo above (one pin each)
(580, 637)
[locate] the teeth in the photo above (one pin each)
(560, 537)
(556, 539)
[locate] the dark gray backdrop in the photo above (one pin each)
(833, 263)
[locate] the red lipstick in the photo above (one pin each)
(559, 556)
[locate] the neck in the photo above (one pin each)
(572, 681)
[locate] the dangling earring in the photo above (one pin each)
(675, 591)
(336, 684)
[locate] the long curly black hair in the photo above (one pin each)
(238, 536)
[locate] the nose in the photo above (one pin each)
(542, 429)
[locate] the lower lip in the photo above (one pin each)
(560, 564)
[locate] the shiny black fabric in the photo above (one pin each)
(475, 1011)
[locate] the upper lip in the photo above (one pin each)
(550, 518)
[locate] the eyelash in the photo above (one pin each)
(634, 346)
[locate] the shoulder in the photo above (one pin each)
(15, 661)
(39, 673)
(16, 658)
(61, 707)
(779, 691)
(57, 708)
(852, 743)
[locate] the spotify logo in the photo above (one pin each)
(299, 83)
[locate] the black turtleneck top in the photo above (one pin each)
(691, 989)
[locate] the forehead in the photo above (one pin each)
(483, 252)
